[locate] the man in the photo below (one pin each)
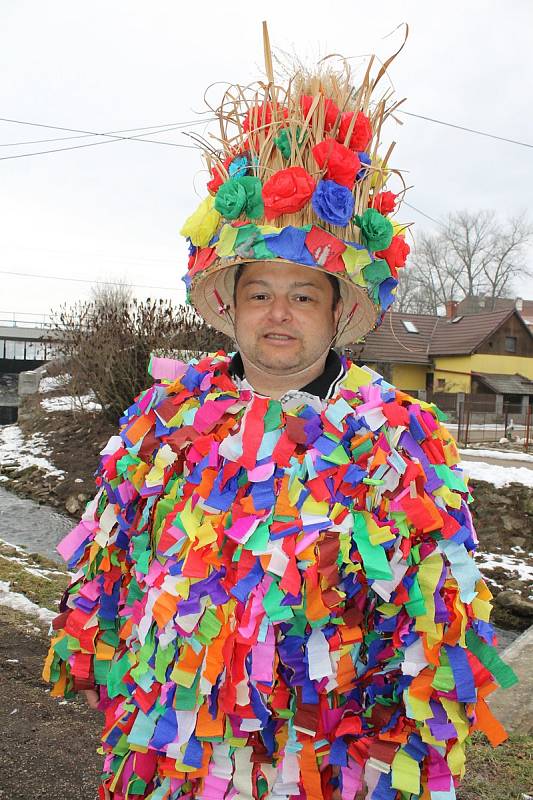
(275, 595)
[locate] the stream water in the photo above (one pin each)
(27, 524)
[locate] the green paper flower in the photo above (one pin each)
(283, 141)
(240, 196)
(376, 230)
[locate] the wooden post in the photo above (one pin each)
(467, 425)
(459, 421)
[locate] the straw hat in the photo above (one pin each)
(297, 178)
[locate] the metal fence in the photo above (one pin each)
(480, 418)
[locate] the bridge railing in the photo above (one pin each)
(18, 320)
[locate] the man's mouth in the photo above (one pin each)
(279, 337)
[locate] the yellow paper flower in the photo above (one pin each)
(201, 226)
(399, 228)
(378, 173)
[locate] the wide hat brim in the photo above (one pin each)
(211, 293)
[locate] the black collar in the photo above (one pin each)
(324, 386)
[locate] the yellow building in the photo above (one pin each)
(491, 352)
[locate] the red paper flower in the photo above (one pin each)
(342, 164)
(260, 116)
(395, 254)
(219, 175)
(287, 191)
(384, 202)
(330, 108)
(361, 134)
(257, 116)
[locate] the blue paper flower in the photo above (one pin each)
(290, 244)
(239, 167)
(333, 203)
(365, 159)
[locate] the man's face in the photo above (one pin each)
(284, 315)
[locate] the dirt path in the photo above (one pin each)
(47, 747)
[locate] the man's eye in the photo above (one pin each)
(304, 298)
(259, 297)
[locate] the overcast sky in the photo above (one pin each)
(113, 211)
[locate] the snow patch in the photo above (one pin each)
(497, 475)
(85, 402)
(18, 602)
(49, 384)
(16, 451)
(503, 455)
(509, 563)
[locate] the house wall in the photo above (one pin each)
(496, 344)
(504, 364)
(409, 376)
(456, 370)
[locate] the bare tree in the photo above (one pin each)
(118, 293)
(107, 344)
(507, 261)
(473, 254)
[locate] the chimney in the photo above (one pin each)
(451, 308)
(519, 304)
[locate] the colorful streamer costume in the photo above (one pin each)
(266, 590)
(278, 599)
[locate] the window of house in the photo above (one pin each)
(409, 326)
(510, 344)
(441, 383)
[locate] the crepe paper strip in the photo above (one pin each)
(405, 773)
(374, 556)
(166, 368)
(489, 657)
(463, 567)
(73, 540)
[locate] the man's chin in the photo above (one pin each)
(279, 363)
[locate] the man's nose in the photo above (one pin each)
(280, 309)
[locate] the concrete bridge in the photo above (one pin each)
(24, 345)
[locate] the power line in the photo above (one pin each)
(464, 128)
(423, 213)
(113, 137)
(149, 128)
(85, 280)
(110, 138)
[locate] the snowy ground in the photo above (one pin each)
(19, 602)
(511, 564)
(498, 475)
(20, 452)
(501, 455)
(85, 402)
(48, 384)
(15, 562)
